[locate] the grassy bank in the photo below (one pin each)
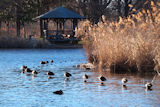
(130, 44)
(17, 42)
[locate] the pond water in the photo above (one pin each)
(21, 90)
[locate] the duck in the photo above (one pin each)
(124, 81)
(66, 74)
(34, 72)
(28, 70)
(148, 85)
(85, 76)
(51, 61)
(50, 73)
(42, 62)
(59, 92)
(102, 79)
(47, 62)
(23, 67)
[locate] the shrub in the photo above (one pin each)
(18, 42)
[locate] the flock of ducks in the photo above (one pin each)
(25, 69)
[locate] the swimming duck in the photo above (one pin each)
(148, 85)
(23, 68)
(28, 70)
(66, 74)
(51, 61)
(60, 92)
(46, 62)
(102, 79)
(50, 73)
(34, 72)
(124, 81)
(85, 76)
(42, 62)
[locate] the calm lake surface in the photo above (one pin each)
(21, 90)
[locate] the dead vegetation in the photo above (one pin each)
(17, 42)
(130, 44)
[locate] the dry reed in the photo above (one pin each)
(127, 45)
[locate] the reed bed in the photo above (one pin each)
(131, 44)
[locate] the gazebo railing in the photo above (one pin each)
(60, 32)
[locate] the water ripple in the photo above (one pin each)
(19, 90)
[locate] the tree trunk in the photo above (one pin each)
(119, 8)
(126, 8)
(24, 30)
(18, 22)
(8, 28)
(38, 9)
(0, 26)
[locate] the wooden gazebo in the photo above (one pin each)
(59, 15)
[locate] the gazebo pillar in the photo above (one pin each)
(41, 28)
(57, 27)
(46, 28)
(63, 25)
(75, 23)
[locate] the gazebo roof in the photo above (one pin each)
(60, 13)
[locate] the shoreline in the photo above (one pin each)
(51, 46)
(64, 46)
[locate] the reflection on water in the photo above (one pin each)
(17, 89)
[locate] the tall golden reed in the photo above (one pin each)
(130, 44)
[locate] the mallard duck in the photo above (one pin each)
(23, 67)
(60, 92)
(124, 81)
(34, 72)
(50, 73)
(42, 62)
(51, 61)
(148, 85)
(102, 78)
(85, 76)
(46, 62)
(28, 70)
(66, 74)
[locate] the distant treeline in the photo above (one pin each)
(23, 11)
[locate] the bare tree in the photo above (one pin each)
(93, 9)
